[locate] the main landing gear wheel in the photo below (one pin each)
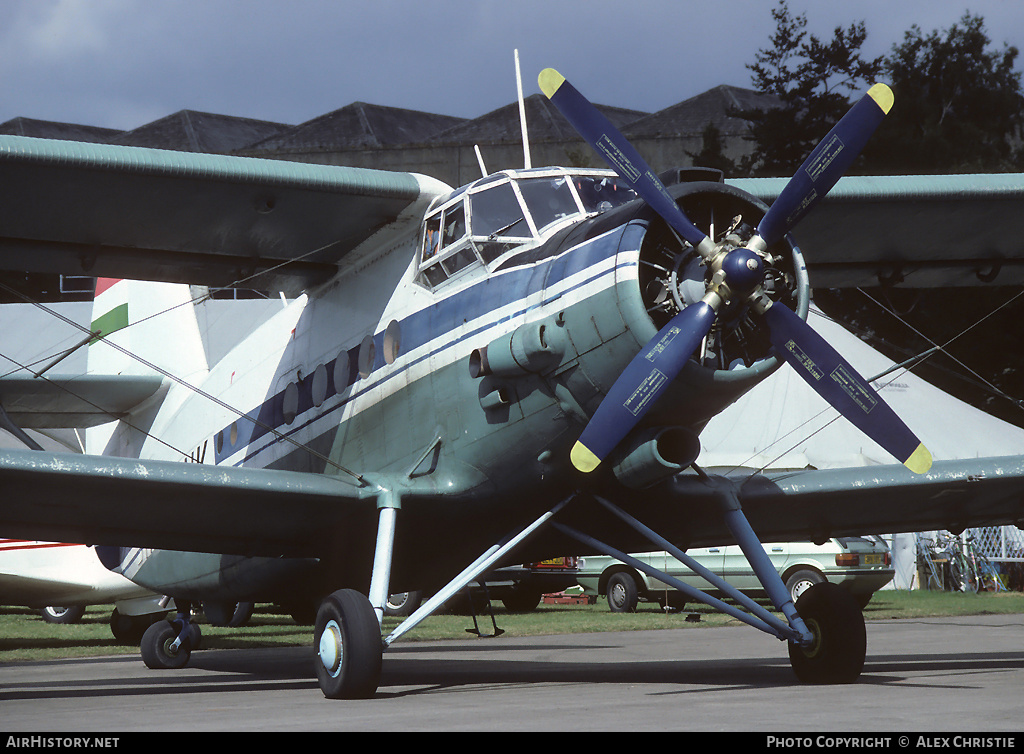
(840, 640)
(158, 650)
(349, 648)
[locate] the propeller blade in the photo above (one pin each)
(620, 155)
(826, 164)
(641, 383)
(838, 382)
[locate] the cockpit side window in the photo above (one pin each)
(548, 199)
(432, 237)
(454, 225)
(600, 193)
(446, 247)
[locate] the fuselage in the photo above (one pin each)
(542, 275)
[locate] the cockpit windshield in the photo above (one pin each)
(508, 212)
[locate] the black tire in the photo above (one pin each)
(623, 595)
(156, 647)
(129, 629)
(840, 639)
(403, 603)
(55, 614)
(521, 599)
(802, 580)
(229, 614)
(348, 645)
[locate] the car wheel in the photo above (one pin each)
(521, 599)
(622, 593)
(801, 581)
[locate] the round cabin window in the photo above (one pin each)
(319, 385)
(290, 405)
(392, 342)
(367, 355)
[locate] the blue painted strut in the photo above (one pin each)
(762, 564)
(758, 617)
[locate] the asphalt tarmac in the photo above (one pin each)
(927, 677)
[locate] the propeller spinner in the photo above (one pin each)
(736, 274)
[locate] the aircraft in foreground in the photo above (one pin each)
(505, 372)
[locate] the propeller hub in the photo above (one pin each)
(744, 270)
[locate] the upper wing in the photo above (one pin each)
(149, 214)
(175, 505)
(918, 231)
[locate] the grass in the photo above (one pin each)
(25, 636)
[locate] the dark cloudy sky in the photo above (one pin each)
(124, 63)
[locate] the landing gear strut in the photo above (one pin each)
(825, 629)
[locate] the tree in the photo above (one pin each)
(813, 80)
(958, 104)
(711, 154)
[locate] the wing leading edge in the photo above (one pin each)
(816, 504)
(85, 400)
(120, 501)
(149, 214)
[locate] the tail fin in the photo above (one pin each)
(152, 323)
(144, 328)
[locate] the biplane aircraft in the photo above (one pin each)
(462, 379)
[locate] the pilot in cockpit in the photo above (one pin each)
(600, 194)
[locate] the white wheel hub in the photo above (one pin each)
(331, 648)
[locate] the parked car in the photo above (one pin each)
(860, 564)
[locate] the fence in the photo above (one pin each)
(987, 558)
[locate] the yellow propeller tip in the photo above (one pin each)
(920, 460)
(583, 459)
(883, 97)
(549, 80)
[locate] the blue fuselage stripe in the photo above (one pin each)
(431, 324)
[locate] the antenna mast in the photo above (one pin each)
(522, 115)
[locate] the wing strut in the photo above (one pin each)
(478, 566)
(758, 617)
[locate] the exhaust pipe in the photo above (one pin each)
(656, 455)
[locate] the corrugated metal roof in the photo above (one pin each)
(543, 121)
(48, 129)
(194, 131)
(359, 125)
(692, 116)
